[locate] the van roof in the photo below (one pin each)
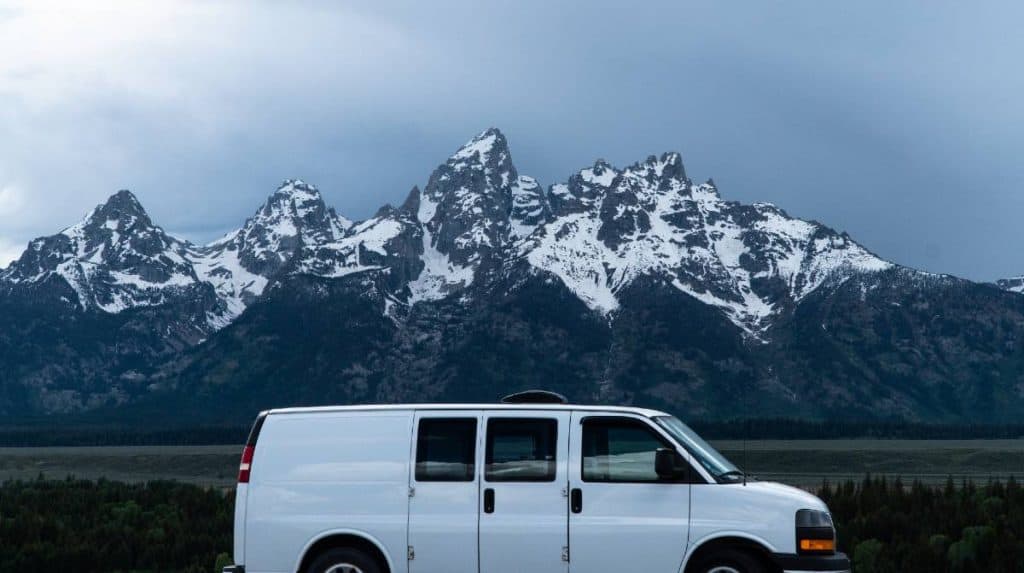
(433, 407)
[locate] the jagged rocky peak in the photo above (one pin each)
(583, 189)
(295, 199)
(466, 204)
(665, 169)
(115, 258)
(488, 150)
(117, 234)
(120, 212)
(295, 214)
(242, 263)
(119, 221)
(640, 181)
(297, 208)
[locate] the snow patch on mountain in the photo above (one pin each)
(480, 146)
(571, 251)
(653, 222)
(440, 275)
(1015, 284)
(345, 256)
(235, 284)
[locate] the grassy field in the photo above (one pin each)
(804, 463)
(809, 462)
(202, 465)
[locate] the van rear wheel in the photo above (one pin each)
(731, 562)
(344, 560)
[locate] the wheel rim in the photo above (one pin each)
(349, 568)
(723, 569)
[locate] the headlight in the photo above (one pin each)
(815, 534)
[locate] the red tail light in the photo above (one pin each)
(245, 468)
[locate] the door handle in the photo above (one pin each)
(576, 500)
(488, 500)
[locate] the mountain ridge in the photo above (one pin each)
(477, 211)
(413, 287)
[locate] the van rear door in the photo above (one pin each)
(524, 510)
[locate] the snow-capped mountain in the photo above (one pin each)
(114, 259)
(243, 262)
(476, 217)
(751, 261)
(597, 233)
(630, 284)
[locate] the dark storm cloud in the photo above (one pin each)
(897, 122)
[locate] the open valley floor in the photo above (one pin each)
(804, 463)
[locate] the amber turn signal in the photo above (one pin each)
(817, 545)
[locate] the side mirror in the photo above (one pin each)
(668, 464)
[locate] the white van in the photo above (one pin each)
(532, 485)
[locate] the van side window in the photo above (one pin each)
(619, 450)
(446, 449)
(521, 449)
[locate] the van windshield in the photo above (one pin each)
(714, 462)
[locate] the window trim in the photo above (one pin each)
(694, 477)
(489, 451)
(470, 420)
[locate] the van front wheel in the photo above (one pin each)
(731, 562)
(344, 560)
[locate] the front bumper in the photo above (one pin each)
(790, 563)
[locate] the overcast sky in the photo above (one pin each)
(900, 123)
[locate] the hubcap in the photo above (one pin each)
(723, 569)
(348, 568)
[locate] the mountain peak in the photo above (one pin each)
(486, 144)
(121, 207)
(293, 186)
(124, 197)
(295, 190)
(667, 167)
(295, 199)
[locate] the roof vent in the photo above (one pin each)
(535, 397)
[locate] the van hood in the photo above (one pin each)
(798, 497)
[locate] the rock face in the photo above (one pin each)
(631, 285)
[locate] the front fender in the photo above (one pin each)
(695, 545)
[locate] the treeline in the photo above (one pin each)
(86, 526)
(886, 526)
(889, 527)
(792, 429)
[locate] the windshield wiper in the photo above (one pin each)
(732, 473)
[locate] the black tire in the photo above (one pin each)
(738, 561)
(334, 557)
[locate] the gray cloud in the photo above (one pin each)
(895, 121)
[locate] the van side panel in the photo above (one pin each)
(323, 472)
